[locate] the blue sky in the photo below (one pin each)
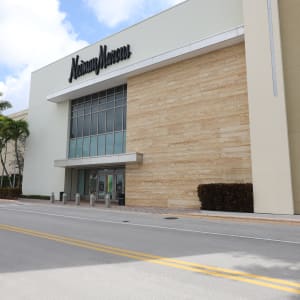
(34, 33)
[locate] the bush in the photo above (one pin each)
(10, 193)
(236, 197)
(38, 197)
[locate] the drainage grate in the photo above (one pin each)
(171, 218)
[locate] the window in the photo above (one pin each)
(118, 142)
(101, 145)
(86, 147)
(109, 142)
(72, 149)
(98, 123)
(93, 151)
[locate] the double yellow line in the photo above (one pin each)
(269, 282)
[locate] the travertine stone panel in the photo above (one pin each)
(190, 120)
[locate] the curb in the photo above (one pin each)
(239, 219)
(201, 215)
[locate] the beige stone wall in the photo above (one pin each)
(289, 25)
(191, 122)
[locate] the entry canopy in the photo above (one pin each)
(107, 160)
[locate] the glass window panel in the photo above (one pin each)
(80, 126)
(118, 142)
(110, 95)
(120, 184)
(101, 144)
(109, 143)
(87, 125)
(118, 118)
(120, 102)
(93, 151)
(124, 141)
(102, 97)
(95, 106)
(86, 182)
(105, 106)
(110, 120)
(87, 108)
(119, 89)
(94, 124)
(124, 117)
(92, 184)
(101, 122)
(80, 110)
(73, 128)
(74, 114)
(79, 147)
(80, 183)
(86, 147)
(95, 97)
(72, 148)
(119, 96)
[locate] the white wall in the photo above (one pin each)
(48, 125)
(271, 169)
(189, 22)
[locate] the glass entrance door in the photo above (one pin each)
(110, 182)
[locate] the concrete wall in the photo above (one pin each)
(289, 11)
(191, 122)
(267, 109)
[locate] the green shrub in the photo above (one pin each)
(10, 193)
(237, 197)
(38, 197)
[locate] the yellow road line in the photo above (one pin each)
(274, 283)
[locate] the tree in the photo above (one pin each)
(17, 132)
(4, 138)
(4, 105)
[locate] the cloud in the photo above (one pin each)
(113, 12)
(32, 34)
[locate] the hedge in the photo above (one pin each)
(38, 197)
(10, 193)
(236, 197)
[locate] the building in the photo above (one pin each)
(9, 152)
(204, 92)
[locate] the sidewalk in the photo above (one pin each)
(179, 212)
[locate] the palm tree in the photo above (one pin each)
(18, 131)
(4, 138)
(4, 104)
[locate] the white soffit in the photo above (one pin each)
(120, 76)
(107, 160)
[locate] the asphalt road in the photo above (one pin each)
(64, 252)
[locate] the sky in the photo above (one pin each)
(34, 33)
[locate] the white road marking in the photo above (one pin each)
(151, 226)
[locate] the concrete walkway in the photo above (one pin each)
(178, 212)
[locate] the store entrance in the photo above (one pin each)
(108, 181)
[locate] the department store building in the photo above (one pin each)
(204, 92)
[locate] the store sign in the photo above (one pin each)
(105, 59)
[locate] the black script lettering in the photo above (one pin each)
(96, 64)
(102, 59)
(73, 73)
